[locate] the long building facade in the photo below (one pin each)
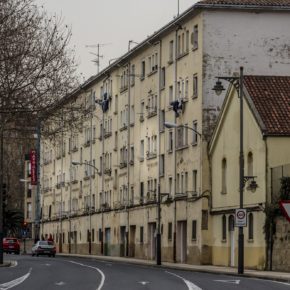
(100, 183)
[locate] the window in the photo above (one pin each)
(170, 99)
(141, 235)
(170, 141)
(224, 228)
(141, 191)
(251, 227)
(116, 103)
(162, 82)
(132, 154)
(161, 165)
(162, 120)
(194, 133)
(187, 41)
(224, 176)
(170, 186)
(250, 164)
(193, 230)
(195, 86)
(181, 136)
(169, 231)
(195, 37)
(142, 150)
(93, 235)
(143, 71)
(194, 181)
(132, 75)
(171, 49)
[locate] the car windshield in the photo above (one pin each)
(45, 243)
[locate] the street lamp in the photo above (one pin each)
(237, 82)
(93, 166)
(170, 125)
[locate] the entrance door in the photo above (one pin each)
(152, 240)
(74, 242)
(122, 241)
(107, 241)
(232, 240)
(181, 241)
(132, 241)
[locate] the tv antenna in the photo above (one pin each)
(98, 55)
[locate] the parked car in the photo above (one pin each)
(43, 248)
(11, 245)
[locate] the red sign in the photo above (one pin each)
(285, 208)
(33, 164)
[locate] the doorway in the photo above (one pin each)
(107, 241)
(152, 240)
(122, 241)
(181, 241)
(132, 241)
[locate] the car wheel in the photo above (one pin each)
(32, 255)
(53, 255)
(37, 255)
(17, 253)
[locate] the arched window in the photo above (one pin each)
(224, 176)
(250, 164)
(251, 227)
(224, 228)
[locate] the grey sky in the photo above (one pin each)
(111, 22)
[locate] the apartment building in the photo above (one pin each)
(100, 183)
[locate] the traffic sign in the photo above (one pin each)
(241, 217)
(285, 208)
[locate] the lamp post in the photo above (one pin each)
(90, 221)
(237, 82)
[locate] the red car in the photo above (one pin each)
(11, 245)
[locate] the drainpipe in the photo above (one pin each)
(103, 168)
(91, 168)
(128, 156)
(174, 149)
(158, 236)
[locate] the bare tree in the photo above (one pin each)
(37, 67)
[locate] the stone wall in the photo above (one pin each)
(281, 248)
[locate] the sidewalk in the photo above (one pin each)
(269, 275)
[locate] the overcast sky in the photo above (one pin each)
(111, 23)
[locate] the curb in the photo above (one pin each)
(265, 275)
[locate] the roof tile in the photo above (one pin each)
(271, 97)
(266, 3)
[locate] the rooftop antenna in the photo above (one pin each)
(98, 56)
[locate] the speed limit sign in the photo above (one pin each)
(241, 217)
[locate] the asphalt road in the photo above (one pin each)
(61, 273)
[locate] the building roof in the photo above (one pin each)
(244, 3)
(270, 96)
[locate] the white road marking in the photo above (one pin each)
(143, 282)
(46, 265)
(14, 264)
(102, 274)
(15, 282)
(229, 281)
(61, 283)
(189, 284)
(273, 281)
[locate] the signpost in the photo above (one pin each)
(285, 208)
(241, 217)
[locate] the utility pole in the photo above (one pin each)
(1, 194)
